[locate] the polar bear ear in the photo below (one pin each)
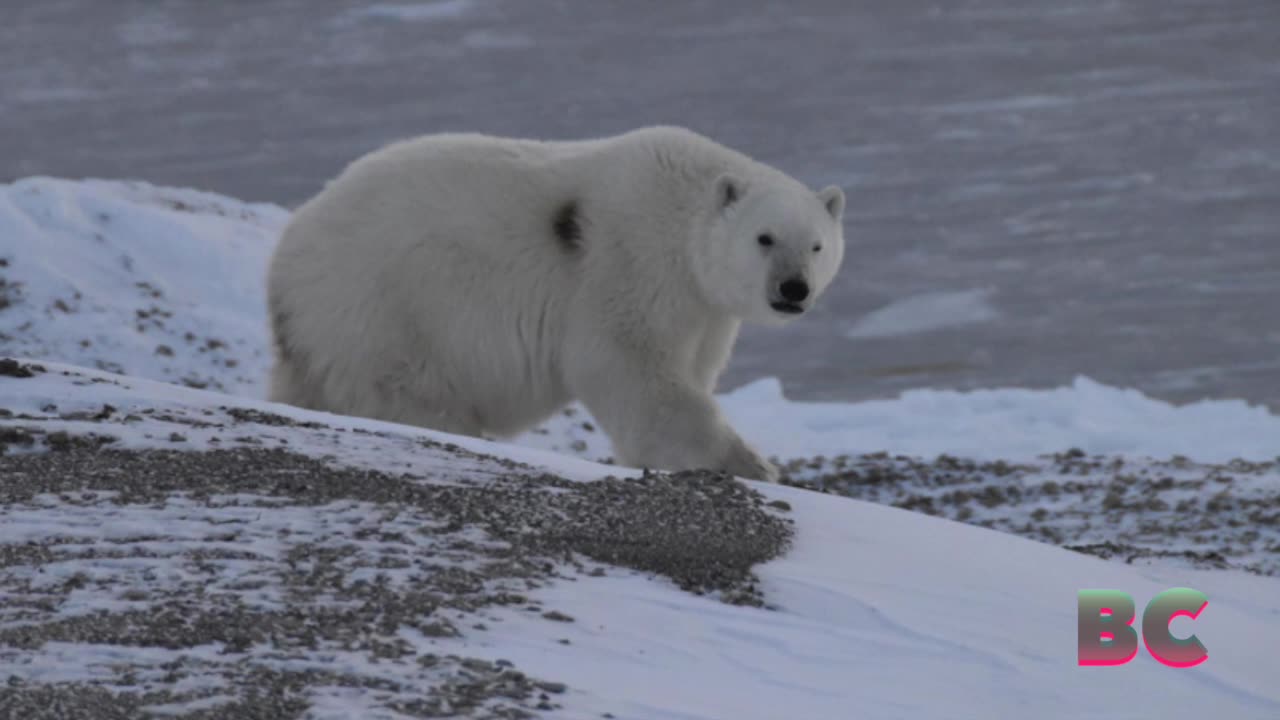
(833, 198)
(728, 190)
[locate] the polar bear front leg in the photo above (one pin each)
(657, 420)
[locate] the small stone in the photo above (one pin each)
(12, 368)
(59, 440)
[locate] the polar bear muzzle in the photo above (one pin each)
(792, 293)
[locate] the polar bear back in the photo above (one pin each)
(437, 281)
(481, 243)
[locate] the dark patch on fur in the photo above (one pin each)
(730, 194)
(287, 350)
(567, 227)
(291, 364)
(280, 323)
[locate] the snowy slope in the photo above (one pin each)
(127, 277)
(875, 612)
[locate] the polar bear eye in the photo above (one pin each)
(765, 240)
(817, 248)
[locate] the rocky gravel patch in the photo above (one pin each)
(1136, 511)
(197, 584)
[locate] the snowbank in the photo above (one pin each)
(136, 279)
(1007, 423)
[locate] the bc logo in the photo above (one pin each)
(1107, 637)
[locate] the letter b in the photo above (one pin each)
(1106, 635)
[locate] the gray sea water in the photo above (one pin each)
(1037, 189)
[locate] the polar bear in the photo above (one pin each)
(476, 285)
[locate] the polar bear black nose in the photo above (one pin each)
(794, 290)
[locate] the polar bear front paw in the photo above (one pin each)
(746, 463)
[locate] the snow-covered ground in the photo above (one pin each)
(119, 288)
(871, 612)
(126, 277)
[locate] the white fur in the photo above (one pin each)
(426, 285)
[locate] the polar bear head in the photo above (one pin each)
(771, 248)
